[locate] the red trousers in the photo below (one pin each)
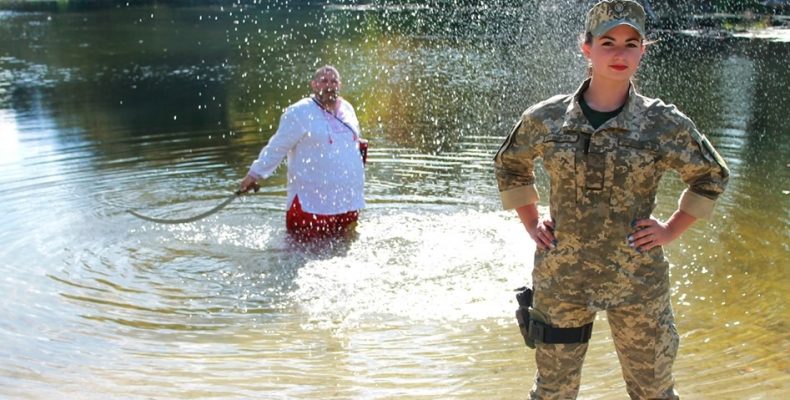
(305, 226)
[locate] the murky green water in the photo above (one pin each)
(163, 108)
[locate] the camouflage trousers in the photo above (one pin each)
(644, 336)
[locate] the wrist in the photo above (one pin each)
(678, 223)
(253, 176)
(531, 227)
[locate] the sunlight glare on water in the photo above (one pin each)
(9, 138)
(421, 267)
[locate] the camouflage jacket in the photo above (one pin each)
(602, 180)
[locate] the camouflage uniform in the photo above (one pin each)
(601, 181)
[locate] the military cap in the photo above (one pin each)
(608, 14)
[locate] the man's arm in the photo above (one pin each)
(288, 134)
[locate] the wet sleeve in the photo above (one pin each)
(701, 168)
(288, 134)
(514, 164)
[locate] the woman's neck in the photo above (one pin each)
(606, 95)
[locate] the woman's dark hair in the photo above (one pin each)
(586, 38)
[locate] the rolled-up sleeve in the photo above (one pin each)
(514, 164)
(701, 168)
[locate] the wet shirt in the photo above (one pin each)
(324, 164)
(601, 180)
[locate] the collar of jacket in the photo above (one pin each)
(575, 120)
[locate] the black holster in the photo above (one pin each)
(524, 298)
(535, 328)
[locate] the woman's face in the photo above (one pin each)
(616, 54)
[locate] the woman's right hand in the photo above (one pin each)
(543, 234)
(541, 231)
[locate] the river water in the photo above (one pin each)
(162, 109)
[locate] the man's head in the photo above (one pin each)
(326, 85)
(608, 14)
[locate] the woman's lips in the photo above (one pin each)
(619, 67)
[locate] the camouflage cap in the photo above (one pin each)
(608, 14)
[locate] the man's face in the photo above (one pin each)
(326, 86)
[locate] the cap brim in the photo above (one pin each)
(608, 25)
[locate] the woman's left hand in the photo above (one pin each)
(650, 233)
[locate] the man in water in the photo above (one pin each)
(320, 136)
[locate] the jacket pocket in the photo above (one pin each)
(559, 156)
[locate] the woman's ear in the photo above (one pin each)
(586, 49)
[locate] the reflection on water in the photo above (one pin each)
(161, 109)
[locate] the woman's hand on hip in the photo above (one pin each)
(650, 233)
(541, 231)
(543, 234)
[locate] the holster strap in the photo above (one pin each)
(554, 335)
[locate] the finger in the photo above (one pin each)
(549, 239)
(542, 239)
(549, 224)
(640, 234)
(650, 246)
(539, 242)
(646, 247)
(644, 243)
(248, 183)
(644, 223)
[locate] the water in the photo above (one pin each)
(162, 109)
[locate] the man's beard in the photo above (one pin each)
(327, 96)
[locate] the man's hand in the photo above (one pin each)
(248, 183)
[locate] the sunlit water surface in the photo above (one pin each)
(162, 109)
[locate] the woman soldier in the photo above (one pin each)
(605, 148)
